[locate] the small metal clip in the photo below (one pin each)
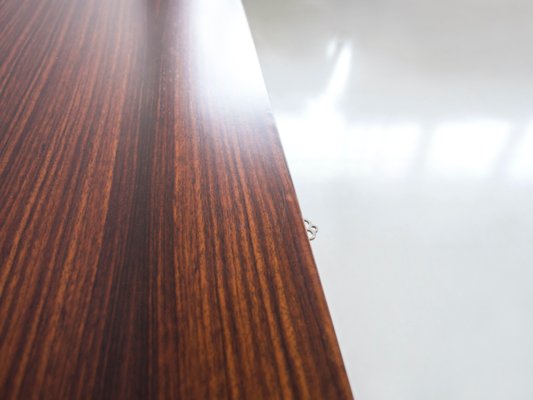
(311, 229)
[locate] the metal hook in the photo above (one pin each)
(311, 229)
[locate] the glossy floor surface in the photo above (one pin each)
(408, 128)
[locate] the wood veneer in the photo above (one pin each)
(151, 241)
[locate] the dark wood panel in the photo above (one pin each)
(151, 241)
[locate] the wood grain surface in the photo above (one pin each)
(151, 242)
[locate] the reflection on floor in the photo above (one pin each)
(408, 128)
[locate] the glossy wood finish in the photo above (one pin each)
(151, 241)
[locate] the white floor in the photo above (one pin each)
(408, 128)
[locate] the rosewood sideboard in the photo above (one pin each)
(151, 242)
